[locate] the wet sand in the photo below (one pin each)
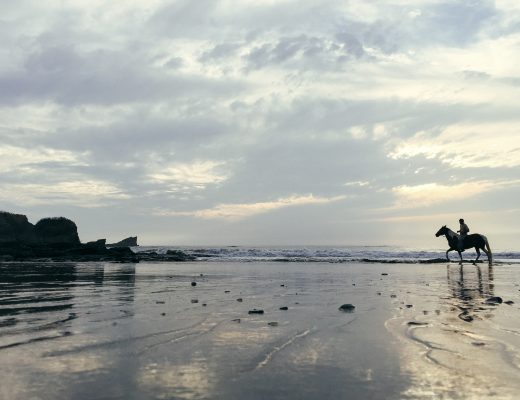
(102, 330)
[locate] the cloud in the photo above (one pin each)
(14, 158)
(428, 194)
(83, 193)
(197, 174)
(239, 211)
(489, 145)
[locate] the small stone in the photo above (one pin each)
(494, 300)
(509, 302)
(274, 323)
(415, 323)
(255, 311)
(393, 296)
(425, 312)
(204, 304)
(227, 291)
(409, 305)
(479, 344)
(194, 301)
(282, 285)
(284, 308)
(466, 317)
(240, 300)
(163, 314)
(236, 320)
(159, 302)
(384, 274)
(379, 293)
(193, 283)
(347, 308)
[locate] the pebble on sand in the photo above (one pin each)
(494, 300)
(255, 311)
(194, 301)
(240, 300)
(347, 307)
(284, 308)
(509, 302)
(415, 323)
(274, 323)
(193, 283)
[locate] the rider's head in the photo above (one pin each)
(461, 221)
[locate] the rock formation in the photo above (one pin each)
(57, 239)
(128, 242)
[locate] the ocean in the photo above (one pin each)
(350, 254)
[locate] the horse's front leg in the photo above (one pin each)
(478, 255)
(447, 251)
(460, 255)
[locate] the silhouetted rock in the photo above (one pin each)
(97, 244)
(128, 242)
(56, 239)
(15, 228)
(58, 230)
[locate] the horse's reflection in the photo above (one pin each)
(469, 286)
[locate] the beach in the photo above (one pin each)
(185, 331)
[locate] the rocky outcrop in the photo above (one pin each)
(128, 242)
(57, 239)
(16, 228)
(61, 231)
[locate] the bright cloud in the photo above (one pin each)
(433, 193)
(466, 145)
(83, 193)
(197, 174)
(239, 211)
(14, 157)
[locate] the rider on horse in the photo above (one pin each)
(464, 230)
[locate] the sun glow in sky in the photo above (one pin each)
(272, 122)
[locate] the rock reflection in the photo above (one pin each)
(39, 301)
(469, 287)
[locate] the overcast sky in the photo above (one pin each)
(263, 122)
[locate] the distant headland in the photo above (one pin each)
(57, 239)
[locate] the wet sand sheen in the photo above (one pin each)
(143, 331)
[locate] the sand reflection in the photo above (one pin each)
(187, 381)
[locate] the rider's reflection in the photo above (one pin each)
(469, 287)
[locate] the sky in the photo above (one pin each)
(287, 122)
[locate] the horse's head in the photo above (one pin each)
(442, 231)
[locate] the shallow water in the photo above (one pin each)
(105, 330)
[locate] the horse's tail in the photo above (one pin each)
(488, 248)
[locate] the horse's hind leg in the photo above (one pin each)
(478, 255)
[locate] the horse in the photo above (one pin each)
(476, 240)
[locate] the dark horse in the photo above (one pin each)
(479, 242)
